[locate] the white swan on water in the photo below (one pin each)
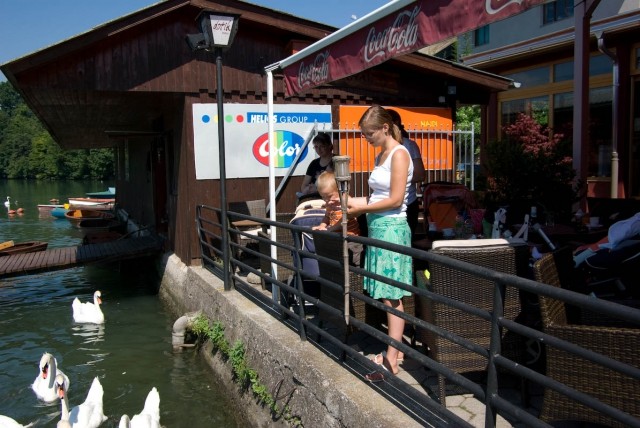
(7, 422)
(86, 415)
(150, 415)
(88, 312)
(7, 203)
(44, 384)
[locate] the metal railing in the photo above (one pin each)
(447, 154)
(420, 405)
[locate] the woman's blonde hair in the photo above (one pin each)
(376, 116)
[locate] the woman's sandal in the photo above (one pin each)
(382, 355)
(378, 376)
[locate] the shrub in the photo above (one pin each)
(532, 167)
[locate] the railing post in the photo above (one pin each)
(495, 347)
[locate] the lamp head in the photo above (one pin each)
(341, 168)
(218, 30)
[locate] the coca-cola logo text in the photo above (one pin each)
(401, 36)
(492, 10)
(314, 73)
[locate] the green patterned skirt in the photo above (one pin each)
(388, 263)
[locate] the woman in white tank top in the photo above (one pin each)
(387, 221)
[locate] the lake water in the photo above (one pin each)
(130, 353)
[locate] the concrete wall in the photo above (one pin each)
(325, 394)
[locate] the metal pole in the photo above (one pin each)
(345, 250)
(223, 173)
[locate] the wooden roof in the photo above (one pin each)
(127, 76)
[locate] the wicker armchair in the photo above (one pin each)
(256, 208)
(606, 385)
(329, 245)
(283, 236)
(474, 291)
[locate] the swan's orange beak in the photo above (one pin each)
(99, 301)
(45, 371)
(61, 392)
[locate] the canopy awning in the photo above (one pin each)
(397, 28)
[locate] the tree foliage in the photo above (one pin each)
(29, 151)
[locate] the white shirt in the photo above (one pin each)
(380, 183)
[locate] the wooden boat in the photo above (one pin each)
(105, 203)
(77, 215)
(96, 225)
(9, 248)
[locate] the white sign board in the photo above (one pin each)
(246, 138)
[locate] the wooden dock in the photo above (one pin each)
(68, 257)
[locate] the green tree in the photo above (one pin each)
(9, 98)
(28, 151)
(44, 157)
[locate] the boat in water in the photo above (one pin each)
(98, 225)
(93, 203)
(75, 216)
(59, 212)
(96, 200)
(109, 193)
(47, 208)
(10, 248)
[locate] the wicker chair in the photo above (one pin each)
(329, 245)
(256, 208)
(474, 291)
(606, 385)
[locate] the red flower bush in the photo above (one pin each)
(531, 166)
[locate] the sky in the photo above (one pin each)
(28, 26)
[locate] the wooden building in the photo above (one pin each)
(131, 84)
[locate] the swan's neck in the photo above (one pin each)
(64, 402)
(53, 371)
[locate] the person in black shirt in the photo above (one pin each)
(324, 148)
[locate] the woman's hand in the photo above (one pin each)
(356, 206)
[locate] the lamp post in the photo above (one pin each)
(217, 34)
(343, 177)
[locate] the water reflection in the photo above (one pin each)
(130, 353)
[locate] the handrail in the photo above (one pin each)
(494, 403)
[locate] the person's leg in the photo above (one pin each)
(396, 330)
(413, 210)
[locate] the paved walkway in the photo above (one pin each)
(423, 380)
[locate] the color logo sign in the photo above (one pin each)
(288, 144)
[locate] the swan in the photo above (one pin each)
(8, 202)
(44, 384)
(88, 312)
(86, 415)
(150, 415)
(7, 422)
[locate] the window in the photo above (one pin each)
(533, 77)
(537, 107)
(600, 119)
(481, 36)
(598, 65)
(557, 11)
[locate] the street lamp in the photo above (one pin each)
(217, 34)
(343, 177)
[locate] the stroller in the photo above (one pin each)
(307, 216)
